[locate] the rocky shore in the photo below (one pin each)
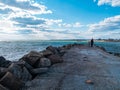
(14, 75)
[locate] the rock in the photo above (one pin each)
(24, 63)
(11, 82)
(89, 82)
(52, 49)
(55, 59)
(39, 71)
(46, 52)
(31, 58)
(68, 46)
(4, 62)
(2, 59)
(44, 62)
(20, 72)
(3, 71)
(2, 87)
(117, 54)
(62, 52)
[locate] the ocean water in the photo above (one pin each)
(13, 50)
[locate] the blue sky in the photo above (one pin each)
(59, 19)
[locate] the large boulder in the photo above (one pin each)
(32, 57)
(39, 71)
(62, 51)
(52, 49)
(2, 87)
(24, 64)
(55, 59)
(117, 54)
(4, 62)
(20, 71)
(2, 59)
(3, 71)
(43, 62)
(46, 52)
(11, 82)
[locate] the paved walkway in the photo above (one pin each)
(81, 64)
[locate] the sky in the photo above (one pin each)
(59, 19)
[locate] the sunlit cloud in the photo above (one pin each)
(113, 3)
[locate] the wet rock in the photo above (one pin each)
(4, 62)
(3, 71)
(24, 63)
(32, 57)
(63, 51)
(46, 52)
(44, 62)
(55, 59)
(117, 54)
(68, 46)
(52, 49)
(2, 87)
(11, 82)
(39, 71)
(20, 72)
(2, 59)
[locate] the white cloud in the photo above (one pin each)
(52, 22)
(68, 25)
(28, 6)
(107, 28)
(108, 24)
(20, 20)
(77, 24)
(113, 3)
(22, 0)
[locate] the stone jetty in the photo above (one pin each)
(69, 67)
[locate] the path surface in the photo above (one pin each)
(81, 64)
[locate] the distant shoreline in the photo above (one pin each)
(62, 40)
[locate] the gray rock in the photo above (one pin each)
(46, 52)
(2, 59)
(3, 71)
(52, 49)
(117, 54)
(11, 82)
(20, 72)
(55, 59)
(44, 62)
(24, 63)
(32, 57)
(39, 71)
(4, 62)
(2, 87)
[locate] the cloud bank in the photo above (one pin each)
(20, 20)
(109, 27)
(113, 3)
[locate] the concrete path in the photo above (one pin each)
(81, 64)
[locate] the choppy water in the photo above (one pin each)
(16, 49)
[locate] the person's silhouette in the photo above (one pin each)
(92, 42)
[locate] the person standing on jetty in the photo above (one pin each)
(91, 42)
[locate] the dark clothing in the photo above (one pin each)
(91, 42)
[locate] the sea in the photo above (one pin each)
(14, 50)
